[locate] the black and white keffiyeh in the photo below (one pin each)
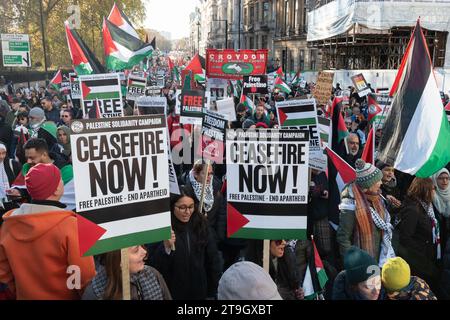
(208, 201)
(386, 244)
(436, 232)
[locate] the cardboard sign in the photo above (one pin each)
(75, 90)
(174, 187)
(361, 85)
(152, 105)
(267, 183)
(121, 193)
(213, 136)
(226, 107)
(136, 87)
(217, 88)
(323, 88)
(101, 96)
(255, 84)
(192, 106)
(302, 114)
(384, 101)
(177, 102)
(234, 64)
(65, 88)
(324, 125)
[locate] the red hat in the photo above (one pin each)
(262, 125)
(42, 180)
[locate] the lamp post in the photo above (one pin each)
(226, 31)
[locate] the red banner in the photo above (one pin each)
(234, 64)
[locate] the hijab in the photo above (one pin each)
(441, 199)
(66, 147)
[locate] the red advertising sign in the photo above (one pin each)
(234, 64)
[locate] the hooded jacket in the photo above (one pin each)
(38, 242)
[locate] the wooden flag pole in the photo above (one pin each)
(126, 292)
(202, 198)
(266, 254)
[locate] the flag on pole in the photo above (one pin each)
(83, 60)
(246, 101)
(416, 132)
(153, 42)
(122, 50)
(315, 276)
(279, 83)
(170, 64)
(373, 108)
(340, 130)
(345, 173)
(368, 154)
(279, 73)
(55, 83)
(119, 19)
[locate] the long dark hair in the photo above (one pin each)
(197, 221)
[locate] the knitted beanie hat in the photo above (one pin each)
(359, 265)
(367, 174)
(396, 274)
(42, 180)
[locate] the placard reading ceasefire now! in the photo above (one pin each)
(121, 182)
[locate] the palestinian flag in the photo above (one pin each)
(195, 65)
(295, 116)
(279, 73)
(55, 83)
(296, 80)
(447, 111)
(230, 88)
(122, 50)
(176, 74)
(368, 154)
(246, 101)
(281, 85)
(374, 108)
(66, 171)
(119, 19)
(237, 88)
(101, 89)
(338, 124)
(170, 64)
(136, 82)
(315, 276)
(324, 126)
(83, 60)
(416, 133)
(345, 173)
(153, 42)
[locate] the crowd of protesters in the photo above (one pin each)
(389, 222)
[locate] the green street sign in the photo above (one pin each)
(16, 50)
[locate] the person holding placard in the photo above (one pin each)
(189, 261)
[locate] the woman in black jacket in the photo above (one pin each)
(189, 261)
(419, 232)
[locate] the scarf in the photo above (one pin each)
(428, 207)
(144, 284)
(441, 199)
(377, 213)
(208, 201)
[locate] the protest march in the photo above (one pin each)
(149, 174)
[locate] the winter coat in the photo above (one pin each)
(318, 206)
(213, 214)
(193, 270)
(347, 225)
(416, 241)
(38, 242)
(417, 289)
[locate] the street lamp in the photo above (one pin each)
(226, 31)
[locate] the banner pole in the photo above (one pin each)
(266, 253)
(202, 198)
(126, 292)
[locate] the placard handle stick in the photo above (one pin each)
(202, 198)
(124, 264)
(266, 251)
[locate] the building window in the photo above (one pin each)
(252, 14)
(265, 16)
(245, 16)
(313, 59)
(264, 43)
(301, 64)
(257, 11)
(296, 14)
(251, 42)
(305, 18)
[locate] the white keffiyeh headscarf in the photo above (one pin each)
(441, 199)
(208, 201)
